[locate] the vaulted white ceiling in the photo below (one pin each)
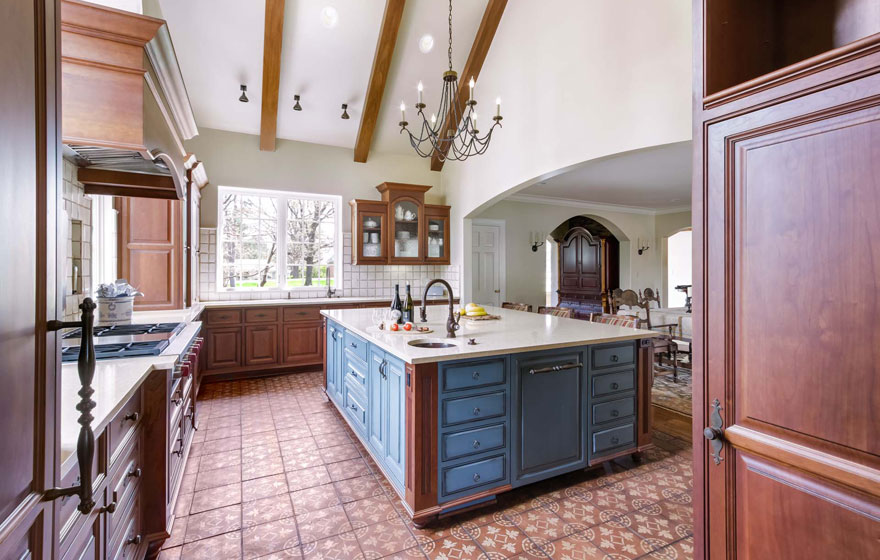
(219, 45)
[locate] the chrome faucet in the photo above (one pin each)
(452, 324)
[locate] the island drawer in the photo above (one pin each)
(356, 345)
(261, 315)
(617, 409)
(355, 406)
(123, 487)
(304, 313)
(616, 355)
(124, 546)
(471, 409)
(222, 316)
(613, 438)
(124, 423)
(615, 382)
(469, 442)
(472, 375)
(355, 370)
(473, 475)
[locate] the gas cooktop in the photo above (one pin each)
(122, 341)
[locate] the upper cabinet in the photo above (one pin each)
(399, 229)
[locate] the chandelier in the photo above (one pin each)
(456, 136)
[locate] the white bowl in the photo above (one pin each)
(403, 235)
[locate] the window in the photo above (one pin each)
(277, 240)
(678, 266)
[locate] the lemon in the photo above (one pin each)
(473, 307)
(479, 313)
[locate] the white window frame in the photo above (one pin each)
(281, 234)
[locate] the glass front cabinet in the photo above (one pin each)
(399, 229)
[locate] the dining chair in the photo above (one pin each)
(555, 311)
(516, 306)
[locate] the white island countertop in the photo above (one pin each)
(516, 331)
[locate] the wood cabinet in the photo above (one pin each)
(303, 343)
(260, 345)
(222, 348)
(399, 229)
(580, 272)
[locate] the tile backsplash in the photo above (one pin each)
(357, 280)
(78, 252)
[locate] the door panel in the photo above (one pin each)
(792, 329)
(261, 345)
(377, 386)
(395, 440)
(486, 264)
(303, 343)
(223, 348)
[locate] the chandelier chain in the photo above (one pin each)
(450, 35)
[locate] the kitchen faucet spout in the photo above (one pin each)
(452, 323)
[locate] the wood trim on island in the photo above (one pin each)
(422, 426)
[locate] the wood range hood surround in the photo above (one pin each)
(115, 120)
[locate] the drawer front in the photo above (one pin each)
(261, 315)
(617, 409)
(473, 475)
(305, 313)
(613, 438)
(223, 316)
(355, 370)
(469, 442)
(175, 455)
(611, 383)
(471, 409)
(356, 407)
(180, 389)
(126, 544)
(125, 422)
(609, 356)
(356, 345)
(123, 487)
(470, 376)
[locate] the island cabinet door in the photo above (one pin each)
(332, 366)
(395, 429)
(377, 386)
(548, 398)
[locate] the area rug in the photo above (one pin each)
(674, 394)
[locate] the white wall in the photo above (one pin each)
(604, 77)
(525, 280)
(667, 225)
(235, 160)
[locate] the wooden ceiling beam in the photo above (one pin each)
(479, 50)
(273, 31)
(378, 77)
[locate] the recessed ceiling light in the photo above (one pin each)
(329, 17)
(426, 43)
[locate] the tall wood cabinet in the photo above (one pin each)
(399, 229)
(786, 199)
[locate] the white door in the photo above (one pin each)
(486, 264)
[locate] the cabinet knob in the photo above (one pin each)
(476, 375)
(136, 473)
(135, 540)
(615, 413)
(614, 357)
(134, 416)
(354, 345)
(353, 406)
(110, 508)
(476, 444)
(615, 386)
(476, 477)
(615, 440)
(477, 411)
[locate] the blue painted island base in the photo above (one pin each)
(451, 436)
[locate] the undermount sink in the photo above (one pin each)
(431, 343)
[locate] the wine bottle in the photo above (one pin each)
(396, 307)
(408, 315)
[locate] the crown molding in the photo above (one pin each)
(573, 203)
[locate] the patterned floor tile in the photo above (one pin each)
(505, 541)
(259, 469)
(315, 498)
(308, 478)
(573, 549)
(359, 488)
(264, 487)
(351, 468)
(215, 498)
(213, 522)
(541, 523)
(332, 439)
(371, 510)
(680, 550)
(339, 547)
(452, 548)
(227, 545)
(384, 538)
(218, 477)
(320, 524)
(268, 538)
(265, 510)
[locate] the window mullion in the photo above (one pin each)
(282, 243)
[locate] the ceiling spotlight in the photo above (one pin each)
(296, 105)
(426, 43)
(243, 97)
(345, 111)
(329, 17)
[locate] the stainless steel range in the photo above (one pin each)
(123, 341)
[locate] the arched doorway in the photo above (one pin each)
(587, 265)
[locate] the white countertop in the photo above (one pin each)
(306, 301)
(516, 331)
(116, 381)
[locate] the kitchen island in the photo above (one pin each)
(453, 424)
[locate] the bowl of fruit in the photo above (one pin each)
(475, 312)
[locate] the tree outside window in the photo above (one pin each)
(253, 255)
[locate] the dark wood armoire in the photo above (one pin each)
(580, 272)
(786, 200)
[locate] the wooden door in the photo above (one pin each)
(787, 229)
(150, 251)
(29, 198)
(486, 261)
(303, 343)
(370, 237)
(223, 348)
(261, 345)
(436, 234)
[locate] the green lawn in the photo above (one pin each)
(293, 283)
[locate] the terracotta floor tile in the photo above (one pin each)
(227, 545)
(384, 538)
(332, 439)
(359, 488)
(505, 541)
(271, 537)
(371, 510)
(183, 505)
(217, 445)
(213, 522)
(573, 549)
(307, 478)
(264, 487)
(294, 553)
(170, 553)
(262, 438)
(452, 548)
(259, 469)
(315, 498)
(213, 498)
(320, 524)
(339, 453)
(541, 523)
(351, 468)
(339, 547)
(680, 550)
(178, 532)
(618, 540)
(265, 510)
(218, 477)
(256, 453)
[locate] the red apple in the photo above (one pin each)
(394, 327)
(408, 326)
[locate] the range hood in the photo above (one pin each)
(116, 124)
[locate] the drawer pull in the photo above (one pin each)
(179, 452)
(615, 386)
(177, 401)
(134, 416)
(615, 413)
(557, 367)
(476, 444)
(615, 440)
(476, 375)
(614, 358)
(353, 344)
(477, 411)
(353, 407)
(109, 508)
(476, 477)
(135, 473)
(135, 540)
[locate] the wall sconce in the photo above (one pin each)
(642, 248)
(536, 239)
(243, 98)
(296, 105)
(345, 111)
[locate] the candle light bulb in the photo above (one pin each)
(473, 86)
(498, 106)
(402, 111)
(433, 118)
(421, 87)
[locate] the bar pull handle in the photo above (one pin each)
(554, 369)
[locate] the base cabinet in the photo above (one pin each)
(223, 348)
(302, 342)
